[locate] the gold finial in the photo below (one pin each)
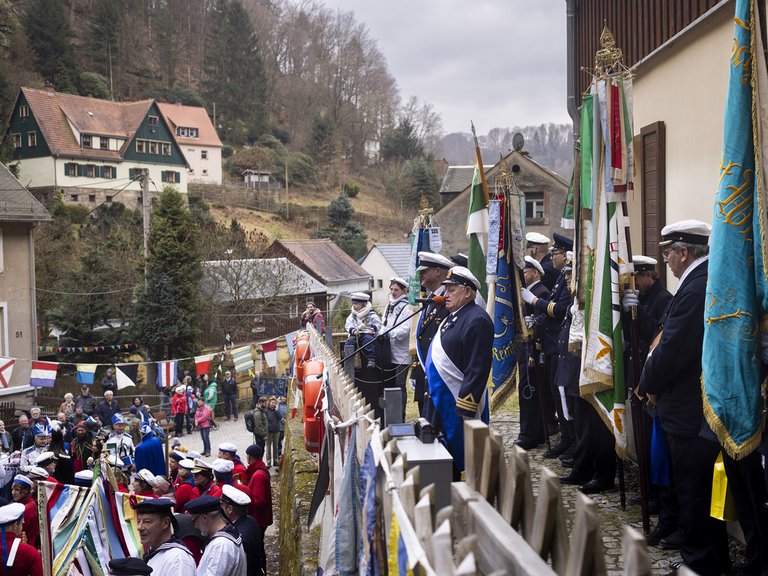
(503, 178)
(609, 55)
(425, 210)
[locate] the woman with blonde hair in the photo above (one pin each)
(68, 406)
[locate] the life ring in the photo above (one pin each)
(313, 395)
(301, 355)
(313, 434)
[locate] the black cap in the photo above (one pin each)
(460, 259)
(129, 567)
(203, 505)
(155, 506)
(561, 242)
(255, 451)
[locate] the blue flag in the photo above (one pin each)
(736, 291)
(504, 360)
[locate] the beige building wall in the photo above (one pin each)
(17, 328)
(685, 86)
(203, 170)
(380, 270)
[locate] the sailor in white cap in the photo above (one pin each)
(18, 558)
(399, 331)
(184, 485)
(228, 451)
(21, 492)
(538, 248)
(205, 485)
(671, 378)
(84, 478)
(235, 504)
(362, 325)
(458, 363)
(142, 483)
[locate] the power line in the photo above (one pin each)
(84, 293)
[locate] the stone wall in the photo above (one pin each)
(299, 547)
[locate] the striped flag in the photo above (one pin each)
(126, 374)
(242, 358)
(85, 374)
(477, 231)
(6, 369)
(203, 364)
(166, 374)
(43, 374)
(270, 353)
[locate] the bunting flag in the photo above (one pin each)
(126, 374)
(6, 370)
(100, 348)
(203, 364)
(243, 359)
(568, 221)
(605, 254)
(270, 353)
(736, 303)
(166, 374)
(86, 374)
(43, 374)
(477, 231)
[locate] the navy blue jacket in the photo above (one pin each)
(550, 274)
(551, 313)
(673, 370)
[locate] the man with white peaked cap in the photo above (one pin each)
(362, 325)
(538, 248)
(18, 558)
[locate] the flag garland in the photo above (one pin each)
(87, 349)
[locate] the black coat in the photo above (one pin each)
(550, 274)
(673, 370)
(551, 313)
(529, 349)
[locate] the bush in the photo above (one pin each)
(227, 151)
(351, 189)
(93, 85)
(301, 168)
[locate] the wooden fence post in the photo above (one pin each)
(549, 536)
(634, 551)
(475, 433)
(586, 554)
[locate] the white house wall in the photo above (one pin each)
(201, 171)
(685, 87)
(378, 267)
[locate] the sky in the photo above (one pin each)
(499, 63)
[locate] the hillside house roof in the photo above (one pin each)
(457, 178)
(322, 258)
(56, 111)
(191, 117)
(397, 256)
(17, 204)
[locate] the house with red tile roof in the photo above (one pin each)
(93, 150)
(197, 138)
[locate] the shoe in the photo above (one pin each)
(235, 418)
(526, 444)
(566, 439)
(227, 418)
(674, 567)
(656, 535)
(672, 542)
(371, 364)
(596, 486)
(572, 479)
(567, 462)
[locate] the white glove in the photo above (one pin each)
(764, 346)
(630, 299)
(412, 384)
(527, 295)
(529, 321)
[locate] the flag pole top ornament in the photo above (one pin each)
(424, 208)
(609, 58)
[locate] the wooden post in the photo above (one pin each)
(586, 553)
(422, 523)
(489, 472)
(634, 550)
(517, 505)
(549, 536)
(442, 549)
(475, 433)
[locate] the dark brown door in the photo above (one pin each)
(652, 138)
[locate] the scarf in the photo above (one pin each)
(363, 312)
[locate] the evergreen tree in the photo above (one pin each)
(423, 182)
(401, 143)
(50, 35)
(323, 139)
(348, 235)
(235, 77)
(167, 310)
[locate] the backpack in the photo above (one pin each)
(250, 424)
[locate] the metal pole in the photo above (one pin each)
(145, 206)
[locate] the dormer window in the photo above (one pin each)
(86, 141)
(23, 111)
(186, 132)
(154, 120)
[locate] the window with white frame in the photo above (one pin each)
(87, 142)
(534, 207)
(31, 139)
(16, 140)
(23, 111)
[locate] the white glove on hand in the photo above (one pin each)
(412, 384)
(630, 299)
(764, 346)
(529, 321)
(527, 295)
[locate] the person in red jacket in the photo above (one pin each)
(179, 409)
(202, 474)
(19, 559)
(21, 491)
(223, 471)
(142, 483)
(184, 485)
(228, 451)
(260, 486)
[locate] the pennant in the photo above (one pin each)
(43, 374)
(737, 286)
(477, 231)
(270, 353)
(125, 375)
(290, 342)
(6, 369)
(242, 358)
(203, 364)
(85, 374)
(166, 374)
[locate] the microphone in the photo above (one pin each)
(437, 300)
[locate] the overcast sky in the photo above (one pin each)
(499, 63)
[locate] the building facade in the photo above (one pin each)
(196, 136)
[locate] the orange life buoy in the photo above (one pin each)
(313, 394)
(313, 434)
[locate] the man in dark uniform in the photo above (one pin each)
(672, 380)
(434, 268)
(550, 313)
(538, 247)
(529, 366)
(458, 363)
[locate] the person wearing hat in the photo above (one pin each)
(84, 478)
(202, 474)
(399, 335)
(179, 410)
(362, 325)
(47, 461)
(174, 458)
(313, 316)
(21, 492)
(184, 484)
(433, 269)
(224, 554)
(235, 504)
(549, 313)
(129, 567)
(86, 400)
(532, 426)
(458, 363)
(18, 558)
(671, 379)
(228, 451)
(229, 391)
(163, 552)
(223, 473)
(538, 248)
(142, 483)
(121, 440)
(260, 486)
(149, 453)
(107, 408)
(42, 434)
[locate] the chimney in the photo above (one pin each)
(49, 88)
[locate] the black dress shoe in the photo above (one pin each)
(567, 462)
(571, 479)
(526, 444)
(674, 567)
(672, 542)
(656, 535)
(596, 486)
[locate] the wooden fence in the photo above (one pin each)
(494, 525)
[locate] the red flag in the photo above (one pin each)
(270, 353)
(203, 364)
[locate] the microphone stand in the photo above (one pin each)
(421, 309)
